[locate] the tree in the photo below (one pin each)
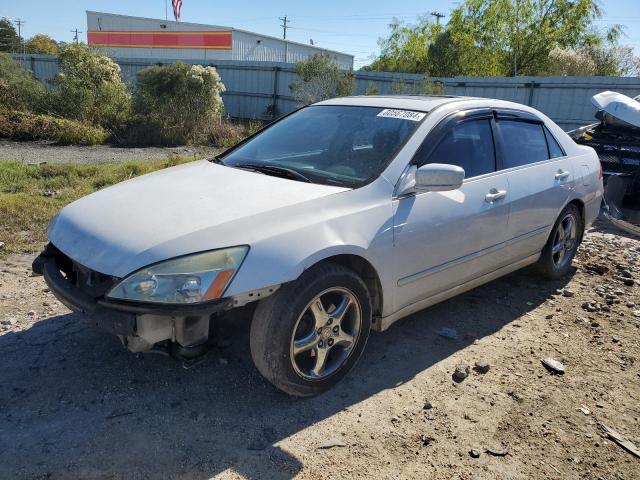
(455, 53)
(523, 32)
(496, 37)
(405, 49)
(18, 89)
(89, 88)
(41, 43)
(8, 36)
(605, 60)
(184, 101)
(319, 78)
(615, 60)
(570, 62)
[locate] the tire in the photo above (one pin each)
(292, 314)
(554, 263)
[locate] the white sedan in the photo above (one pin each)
(340, 218)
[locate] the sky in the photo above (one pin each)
(351, 26)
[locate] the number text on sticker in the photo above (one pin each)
(402, 114)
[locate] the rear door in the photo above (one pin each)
(541, 178)
(443, 239)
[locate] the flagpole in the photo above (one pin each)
(165, 11)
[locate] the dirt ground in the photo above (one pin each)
(75, 404)
(47, 152)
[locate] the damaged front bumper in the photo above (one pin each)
(139, 325)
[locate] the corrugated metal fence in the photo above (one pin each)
(253, 88)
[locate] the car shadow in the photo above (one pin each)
(75, 404)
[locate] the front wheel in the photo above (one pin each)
(308, 335)
(562, 244)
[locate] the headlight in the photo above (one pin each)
(191, 279)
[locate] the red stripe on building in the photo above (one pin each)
(221, 40)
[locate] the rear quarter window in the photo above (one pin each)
(555, 150)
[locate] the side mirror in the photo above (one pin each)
(438, 177)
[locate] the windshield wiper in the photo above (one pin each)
(275, 171)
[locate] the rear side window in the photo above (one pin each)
(555, 150)
(468, 145)
(523, 142)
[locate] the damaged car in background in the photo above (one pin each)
(338, 219)
(616, 139)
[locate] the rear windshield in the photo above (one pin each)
(334, 145)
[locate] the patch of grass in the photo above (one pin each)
(28, 126)
(227, 133)
(31, 194)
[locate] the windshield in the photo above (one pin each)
(333, 145)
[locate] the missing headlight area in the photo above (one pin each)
(189, 332)
(185, 331)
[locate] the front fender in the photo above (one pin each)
(282, 258)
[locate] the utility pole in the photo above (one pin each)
(19, 23)
(515, 47)
(438, 16)
(76, 32)
(284, 25)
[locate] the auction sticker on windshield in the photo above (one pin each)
(402, 114)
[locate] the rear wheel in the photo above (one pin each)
(562, 245)
(308, 335)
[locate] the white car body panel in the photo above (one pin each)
(424, 247)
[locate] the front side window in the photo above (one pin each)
(333, 145)
(524, 143)
(468, 145)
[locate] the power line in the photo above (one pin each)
(341, 34)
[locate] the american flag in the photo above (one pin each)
(177, 5)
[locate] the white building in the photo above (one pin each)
(122, 36)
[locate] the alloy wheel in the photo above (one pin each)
(565, 240)
(325, 333)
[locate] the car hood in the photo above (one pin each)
(173, 212)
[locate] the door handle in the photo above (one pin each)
(494, 195)
(562, 175)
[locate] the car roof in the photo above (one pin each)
(421, 103)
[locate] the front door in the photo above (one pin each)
(443, 239)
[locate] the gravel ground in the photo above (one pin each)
(75, 404)
(39, 152)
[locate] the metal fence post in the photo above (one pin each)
(274, 108)
(532, 85)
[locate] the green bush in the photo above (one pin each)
(29, 126)
(89, 88)
(18, 89)
(182, 100)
